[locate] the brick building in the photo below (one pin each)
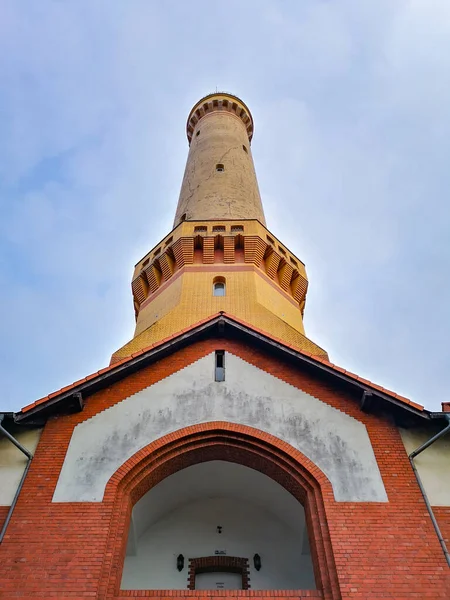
(221, 453)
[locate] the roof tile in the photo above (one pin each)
(28, 406)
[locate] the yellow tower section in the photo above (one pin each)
(220, 256)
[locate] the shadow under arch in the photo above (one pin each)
(230, 442)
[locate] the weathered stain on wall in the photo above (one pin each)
(337, 443)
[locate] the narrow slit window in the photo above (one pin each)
(244, 148)
(220, 168)
(220, 365)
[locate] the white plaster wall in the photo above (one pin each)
(337, 443)
(13, 462)
(213, 479)
(192, 531)
(433, 463)
(210, 581)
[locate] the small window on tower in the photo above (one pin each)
(183, 217)
(219, 287)
(220, 168)
(244, 148)
(220, 365)
(198, 133)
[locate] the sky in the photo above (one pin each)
(352, 142)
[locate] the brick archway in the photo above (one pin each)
(218, 441)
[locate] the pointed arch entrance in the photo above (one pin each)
(196, 527)
(218, 441)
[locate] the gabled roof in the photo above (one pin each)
(71, 397)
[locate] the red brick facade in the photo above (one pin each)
(442, 514)
(3, 513)
(360, 550)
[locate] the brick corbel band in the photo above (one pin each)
(226, 564)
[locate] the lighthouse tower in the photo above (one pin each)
(221, 454)
(220, 256)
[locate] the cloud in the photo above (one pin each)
(350, 103)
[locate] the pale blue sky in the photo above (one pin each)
(352, 137)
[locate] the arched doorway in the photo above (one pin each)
(217, 441)
(218, 509)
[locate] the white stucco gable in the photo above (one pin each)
(337, 443)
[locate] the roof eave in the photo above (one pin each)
(56, 403)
